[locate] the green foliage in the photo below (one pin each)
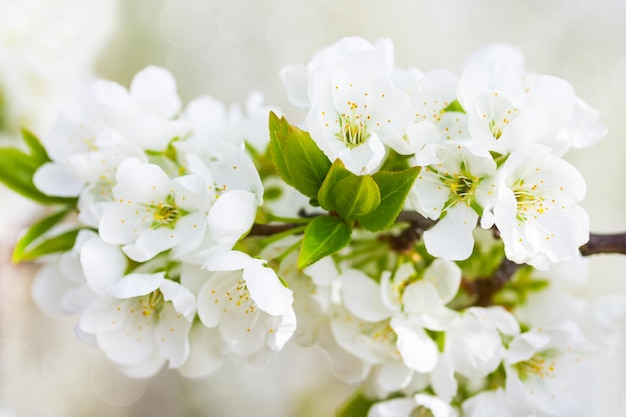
(37, 151)
(351, 196)
(279, 129)
(395, 161)
(394, 188)
(323, 236)
(357, 405)
(298, 160)
(17, 169)
(32, 244)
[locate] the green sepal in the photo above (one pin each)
(323, 236)
(279, 129)
(16, 172)
(455, 106)
(394, 188)
(357, 405)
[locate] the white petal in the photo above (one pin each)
(154, 89)
(181, 297)
(138, 182)
(362, 296)
(206, 353)
(209, 309)
(52, 179)
(295, 80)
(231, 216)
(134, 285)
(245, 333)
(399, 407)
(151, 242)
(393, 376)
(100, 316)
(231, 260)
(525, 345)
(497, 317)
(419, 352)
(446, 277)
(451, 238)
(103, 264)
(131, 345)
(170, 335)
(267, 291)
(283, 331)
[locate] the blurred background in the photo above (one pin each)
(228, 48)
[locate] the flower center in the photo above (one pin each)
(528, 204)
(538, 365)
(165, 214)
(421, 411)
(151, 303)
(352, 126)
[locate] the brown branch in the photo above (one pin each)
(270, 229)
(484, 288)
(604, 243)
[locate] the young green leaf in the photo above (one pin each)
(326, 194)
(356, 196)
(279, 129)
(322, 237)
(59, 243)
(306, 163)
(394, 188)
(37, 151)
(36, 231)
(16, 172)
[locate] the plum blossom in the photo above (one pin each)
(454, 190)
(545, 373)
(355, 109)
(247, 302)
(141, 322)
(153, 213)
(536, 212)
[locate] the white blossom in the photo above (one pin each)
(536, 212)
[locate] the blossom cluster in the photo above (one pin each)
(185, 234)
(162, 195)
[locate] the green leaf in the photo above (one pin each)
(357, 405)
(37, 151)
(306, 163)
(279, 129)
(394, 188)
(36, 231)
(326, 195)
(60, 243)
(322, 237)
(395, 161)
(356, 196)
(16, 172)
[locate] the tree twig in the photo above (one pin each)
(604, 243)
